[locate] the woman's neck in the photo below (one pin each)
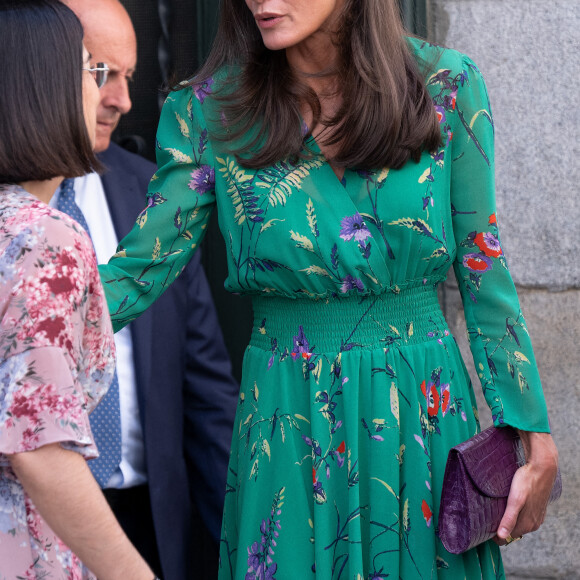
(314, 61)
(42, 190)
(314, 56)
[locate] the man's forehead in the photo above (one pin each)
(114, 43)
(108, 29)
(119, 53)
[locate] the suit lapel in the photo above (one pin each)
(126, 199)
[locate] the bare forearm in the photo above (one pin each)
(63, 489)
(540, 448)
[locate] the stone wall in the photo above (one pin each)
(528, 52)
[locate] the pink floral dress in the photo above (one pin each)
(57, 360)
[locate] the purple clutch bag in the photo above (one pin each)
(476, 486)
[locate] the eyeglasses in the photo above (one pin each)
(99, 72)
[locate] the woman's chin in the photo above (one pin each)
(276, 41)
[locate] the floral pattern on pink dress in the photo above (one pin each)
(57, 359)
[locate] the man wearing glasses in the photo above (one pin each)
(177, 399)
(100, 73)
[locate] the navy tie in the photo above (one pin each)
(106, 418)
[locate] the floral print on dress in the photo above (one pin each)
(57, 361)
(353, 389)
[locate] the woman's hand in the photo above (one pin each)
(530, 489)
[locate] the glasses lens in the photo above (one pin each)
(101, 74)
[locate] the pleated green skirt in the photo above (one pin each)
(347, 411)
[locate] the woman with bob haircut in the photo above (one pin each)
(351, 166)
(57, 354)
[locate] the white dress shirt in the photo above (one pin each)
(90, 197)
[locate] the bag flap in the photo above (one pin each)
(491, 459)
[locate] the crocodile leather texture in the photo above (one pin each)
(476, 486)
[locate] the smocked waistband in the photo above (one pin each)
(408, 316)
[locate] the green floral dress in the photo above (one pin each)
(353, 389)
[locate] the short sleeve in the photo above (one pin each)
(56, 342)
(170, 228)
(498, 335)
(42, 404)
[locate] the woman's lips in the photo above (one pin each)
(267, 20)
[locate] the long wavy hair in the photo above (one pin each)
(386, 115)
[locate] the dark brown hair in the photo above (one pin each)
(42, 124)
(381, 88)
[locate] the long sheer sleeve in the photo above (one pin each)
(498, 335)
(169, 229)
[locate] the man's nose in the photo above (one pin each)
(115, 94)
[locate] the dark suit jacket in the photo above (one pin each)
(187, 396)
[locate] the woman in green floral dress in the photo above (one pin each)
(344, 196)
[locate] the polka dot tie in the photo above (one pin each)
(106, 418)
